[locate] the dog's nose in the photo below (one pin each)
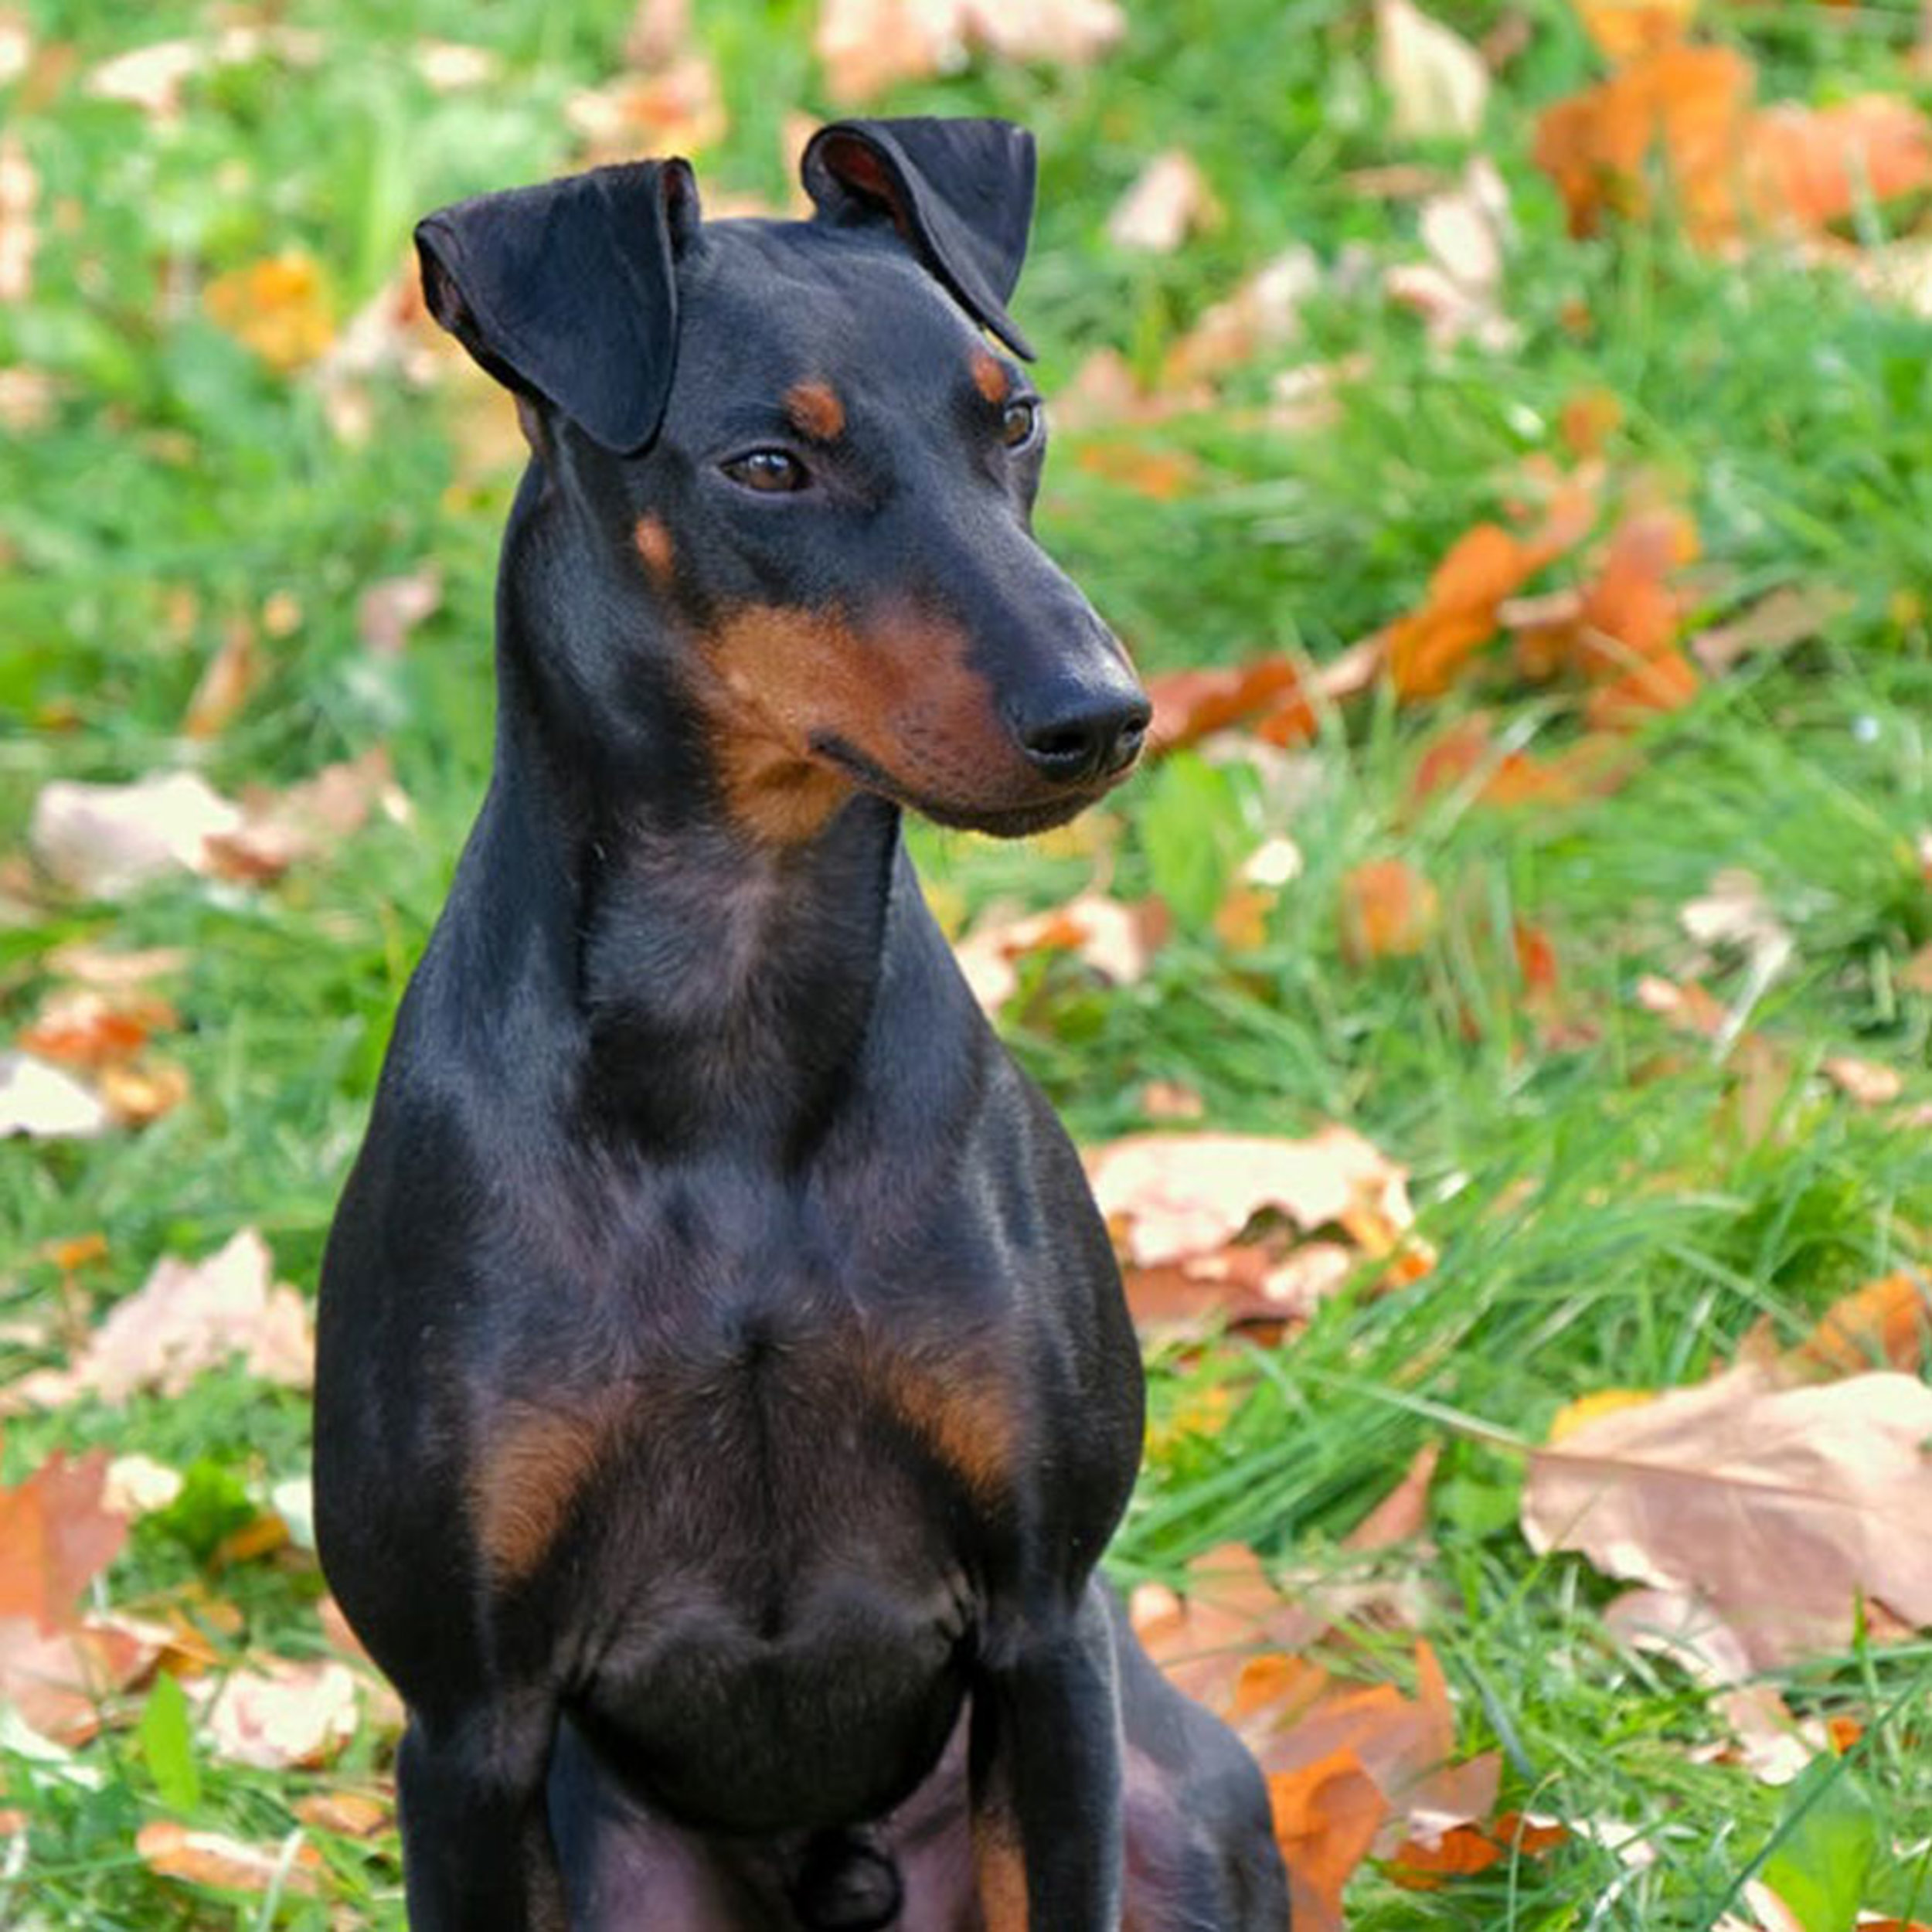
(1084, 734)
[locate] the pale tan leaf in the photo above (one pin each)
(866, 47)
(1734, 913)
(1264, 313)
(1437, 84)
(1773, 623)
(1117, 940)
(1169, 200)
(1864, 1081)
(16, 44)
(676, 109)
(1778, 1507)
(104, 840)
(283, 1715)
(45, 1102)
(1178, 1196)
(19, 235)
(453, 67)
(391, 608)
(187, 1317)
(137, 1485)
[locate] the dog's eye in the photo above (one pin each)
(1018, 421)
(769, 472)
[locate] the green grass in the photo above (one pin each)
(1602, 1219)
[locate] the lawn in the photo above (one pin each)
(1613, 937)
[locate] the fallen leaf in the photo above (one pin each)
(453, 67)
(1388, 911)
(1171, 1100)
(1885, 1324)
(47, 1103)
(1175, 1197)
(226, 682)
(185, 1318)
(1734, 915)
(103, 841)
(283, 1715)
(1466, 230)
(56, 1536)
(19, 235)
(1263, 314)
(1404, 1511)
(1192, 704)
(151, 77)
(1810, 167)
(1169, 200)
(1688, 1008)
(346, 1814)
(111, 972)
(137, 1485)
(1161, 474)
(1625, 29)
(27, 398)
(1326, 1818)
(278, 307)
(679, 109)
(391, 608)
(81, 1026)
(137, 1092)
(1436, 83)
(1787, 617)
(1778, 1507)
(309, 818)
(16, 44)
(229, 1864)
(1117, 940)
(865, 46)
(1864, 1081)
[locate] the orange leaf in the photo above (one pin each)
(1191, 705)
(277, 307)
(1811, 167)
(1159, 475)
(1688, 103)
(1625, 28)
(1388, 911)
(1630, 616)
(1883, 1324)
(54, 1538)
(1588, 421)
(172, 1851)
(1464, 1848)
(1428, 648)
(1519, 1832)
(1664, 683)
(1326, 1816)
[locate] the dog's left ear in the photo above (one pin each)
(960, 192)
(569, 292)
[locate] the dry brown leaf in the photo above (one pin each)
(186, 1317)
(82, 1026)
(1117, 940)
(1885, 1324)
(110, 972)
(1688, 1008)
(278, 307)
(283, 1715)
(1775, 623)
(1866, 1082)
(1169, 200)
(308, 820)
(1404, 1512)
(1437, 84)
(227, 683)
(103, 841)
(1175, 1197)
(19, 235)
(865, 46)
(1192, 704)
(1388, 911)
(173, 1850)
(391, 608)
(57, 1680)
(56, 1536)
(1778, 1507)
(346, 1814)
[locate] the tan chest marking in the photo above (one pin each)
(537, 1464)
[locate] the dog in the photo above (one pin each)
(725, 1388)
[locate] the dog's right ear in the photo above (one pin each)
(569, 292)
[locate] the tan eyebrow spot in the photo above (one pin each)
(815, 411)
(654, 546)
(989, 379)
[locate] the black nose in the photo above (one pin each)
(1081, 735)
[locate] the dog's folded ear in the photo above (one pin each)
(960, 192)
(569, 291)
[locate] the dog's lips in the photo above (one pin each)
(1039, 813)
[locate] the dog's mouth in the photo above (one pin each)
(1019, 821)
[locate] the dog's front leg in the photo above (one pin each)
(1046, 1779)
(477, 1852)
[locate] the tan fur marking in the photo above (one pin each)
(899, 692)
(989, 379)
(961, 1416)
(531, 1473)
(815, 411)
(1001, 1869)
(654, 546)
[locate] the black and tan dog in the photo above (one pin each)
(725, 1388)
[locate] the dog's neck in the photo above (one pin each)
(720, 987)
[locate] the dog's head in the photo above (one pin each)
(816, 449)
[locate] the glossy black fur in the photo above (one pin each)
(693, 1149)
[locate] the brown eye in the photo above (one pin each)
(1018, 421)
(770, 472)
